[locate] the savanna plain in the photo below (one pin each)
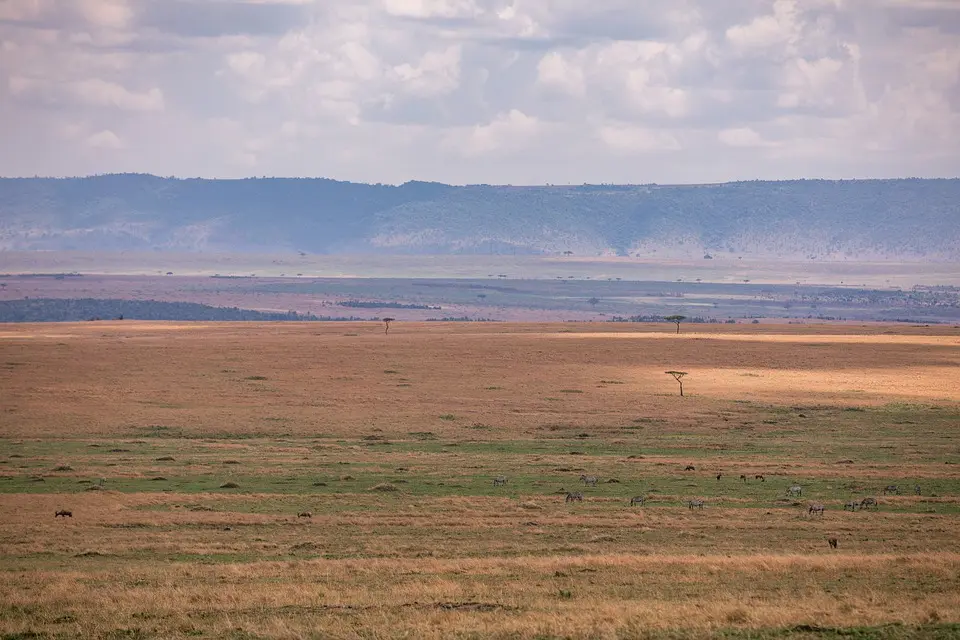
(331, 480)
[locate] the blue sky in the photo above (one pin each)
(492, 91)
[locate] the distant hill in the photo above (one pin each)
(805, 219)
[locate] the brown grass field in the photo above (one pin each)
(392, 443)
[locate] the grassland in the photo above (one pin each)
(391, 442)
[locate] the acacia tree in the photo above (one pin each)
(678, 376)
(386, 324)
(677, 320)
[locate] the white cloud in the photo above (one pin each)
(555, 71)
(105, 139)
(743, 137)
(637, 140)
(507, 132)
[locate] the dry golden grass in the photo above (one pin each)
(328, 418)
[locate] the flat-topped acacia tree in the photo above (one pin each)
(676, 319)
(386, 325)
(678, 376)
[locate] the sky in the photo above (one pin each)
(482, 91)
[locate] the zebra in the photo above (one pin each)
(698, 504)
(589, 480)
(574, 496)
(832, 542)
(759, 477)
(815, 509)
(891, 488)
(917, 490)
(852, 505)
(795, 490)
(66, 513)
(500, 481)
(690, 467)
(637, 500)
(869, 502)
(743, 478)
(304, 514)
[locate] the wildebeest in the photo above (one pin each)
(66, 513)
(917, 490)
(743, 478)
(690, 467)
(637, 500)
(500, 481)
(698, 504)
(719, 475)
(891, 488)
(869, 502)
(852, 505)
(574, 496)
(815, 509)
(795, 490)
(759, 477)
(304, 514)
(832, 542)
(589, 480)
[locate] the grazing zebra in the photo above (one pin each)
(589, 480)
(690, 467)
(64, 512)
(698, 504)
(743, 478)
(916, 490)
(574, 496)
(869, 502)
(795, 490)
(500, 481)
(815, 509)
(637, 500)
(891, 488)
(759, 477)
(832, 542)
(852, 505)
(304, 514)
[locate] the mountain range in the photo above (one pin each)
(901, 219)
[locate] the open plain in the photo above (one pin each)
(328, 480)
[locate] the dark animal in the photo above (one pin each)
(869, 502)
(698, 504)
(891, 488)
(690, 467)
(743, 478)
(719, 475)
(637, 500)
(916, 490)
(852, 505)
(63, 512)
(304, 514)
(759, 477)
(832, 542)
(815, 509)
(574, 496)
(500, 481)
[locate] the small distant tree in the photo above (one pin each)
(593, 302)
(386, 325)
(677, 320)
(678, 376)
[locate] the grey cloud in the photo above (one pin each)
(207, 18)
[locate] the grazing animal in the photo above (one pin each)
(64, 512)
(795, 490)
(743, 478)
(869, 502)
(637, 500)
(698, 504)
(916, 490)
(815, 509)
(852, 505)
(574, 496)
(832, 542)
(500, 481)
(891, 488)
(759, 477)
(690, 467)
(589, 480)
(719, 475)
(304, 514)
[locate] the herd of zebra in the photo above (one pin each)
(794, 491)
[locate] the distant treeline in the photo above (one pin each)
(358, 304)
(80, 309)
(462, 319)
(695, 320)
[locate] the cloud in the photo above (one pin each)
(513, 91)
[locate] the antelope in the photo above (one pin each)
(852, 505)
(63, 512)
(891, 488)
(795, 490)
(690, 467)
(695, 504)
(500, 481)
(832, 542)
(868, 502)
(304, 514)
(574, 496)
(815, 509)
(743, 478)
(637, 500)
(589, 480)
